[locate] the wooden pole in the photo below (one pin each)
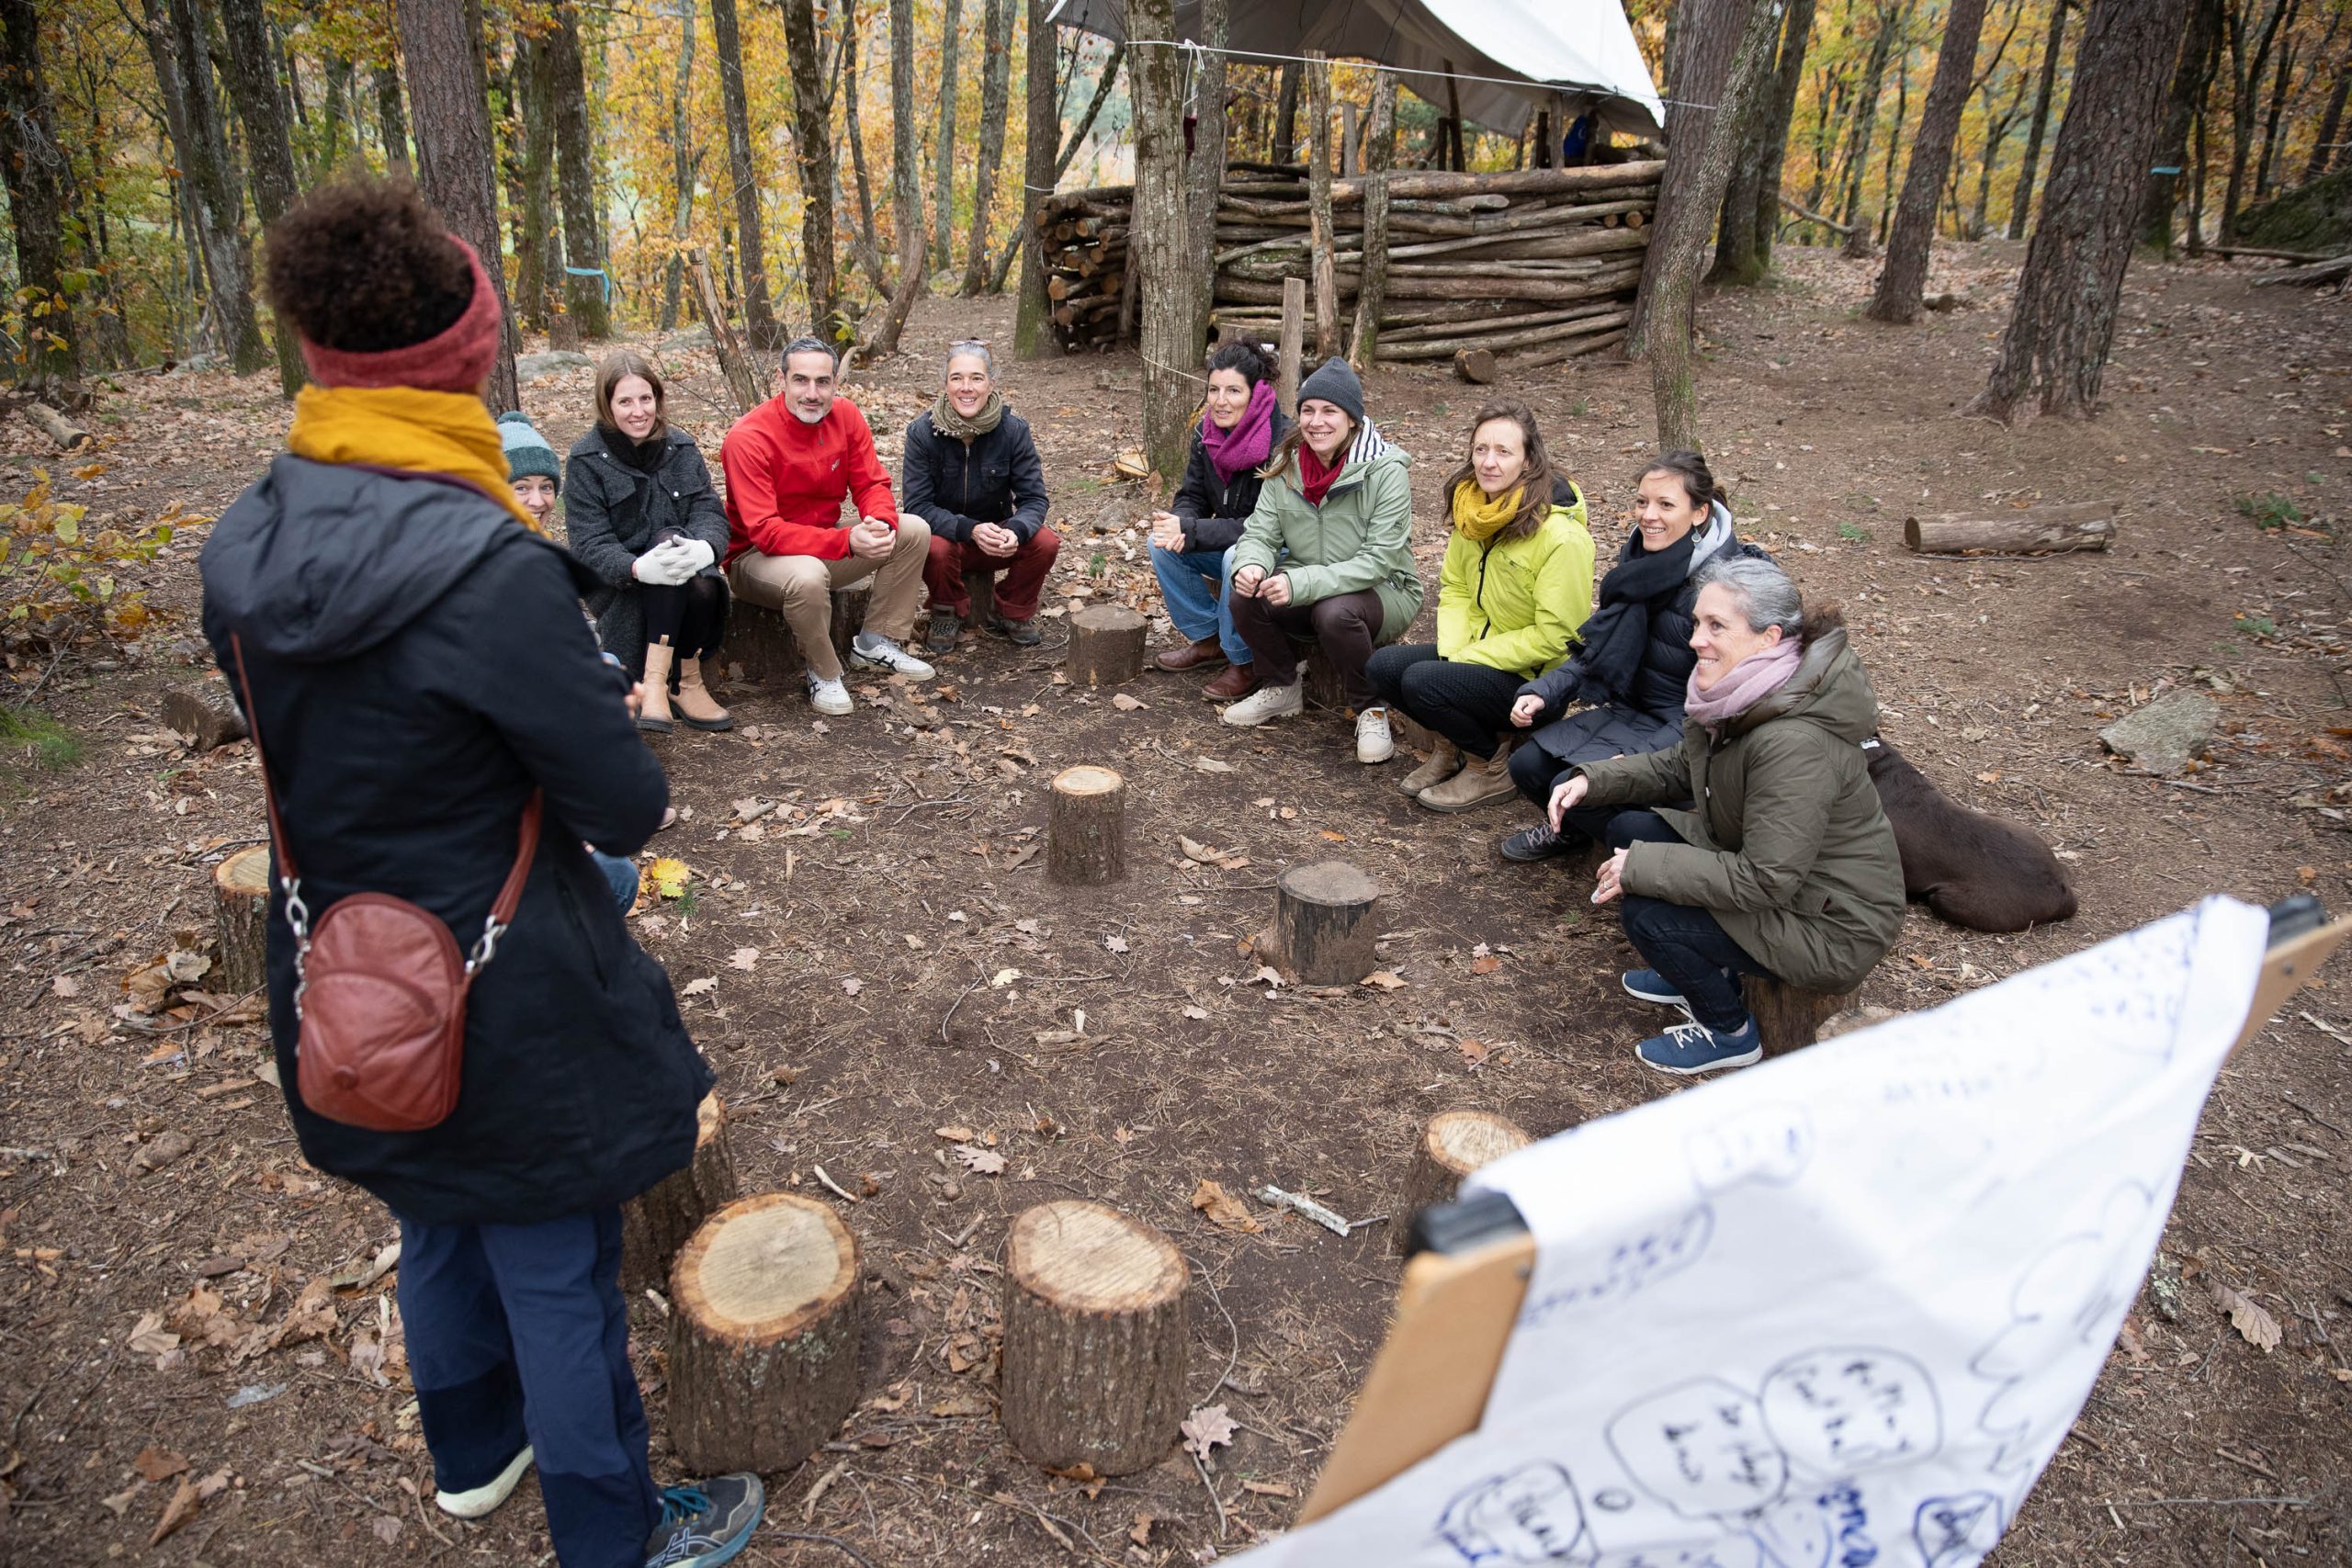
(1372, 289)
(1318, 181)
(1106, 645)
(1094, 1338)
(1087, 833)
(240, 916)
(2056, 530)
(1294, 295)
(1326, 918)
(764, 1335)
(657, 1222)
(1453, 1144)
(742, 383)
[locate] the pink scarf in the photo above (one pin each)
(1247, 443)
(1744, 686)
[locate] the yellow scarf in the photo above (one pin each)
(405, 427)
(1479, 518)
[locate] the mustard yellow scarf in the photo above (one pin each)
(1479, 518)
(406, 428)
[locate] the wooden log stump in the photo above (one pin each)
(764, 1335)
(1106, 645)
(1788, 1016)
(762, 647)
(1327, 917)
(1475, 366)
(240, 906)
(1453, 1143)
(203, 714)
(68, 435)
(1323, 687)
(1094, 1338)
(1087, 837)
(980, 587)
(657, 1222)
(2039, 530)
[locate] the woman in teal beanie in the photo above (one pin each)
(532, 466)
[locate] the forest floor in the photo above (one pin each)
(882, 957)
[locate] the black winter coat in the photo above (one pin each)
(612, 514)
(419, 664)
(997, 480)
(1212, 511)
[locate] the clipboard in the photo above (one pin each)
(1468, 1264)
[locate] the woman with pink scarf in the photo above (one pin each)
(1788, 867)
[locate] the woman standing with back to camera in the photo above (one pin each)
(420, 681)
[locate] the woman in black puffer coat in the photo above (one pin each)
(1632, 660)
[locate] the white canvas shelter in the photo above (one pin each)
(1529, 53)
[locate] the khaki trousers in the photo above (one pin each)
(800, 588)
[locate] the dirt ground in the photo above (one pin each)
(879, 956)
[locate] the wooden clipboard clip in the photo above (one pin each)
(1469, 1263)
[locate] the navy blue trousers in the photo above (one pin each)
(1686, 944)
(518, 1334)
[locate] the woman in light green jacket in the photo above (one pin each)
(1327, 555)
(1516, 584)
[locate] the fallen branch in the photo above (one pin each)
(2317, 272)
(55, 425)
(1810, 216)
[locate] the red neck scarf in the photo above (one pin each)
(1313, 479)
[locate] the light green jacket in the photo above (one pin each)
(1359, 537)
(1515, 605)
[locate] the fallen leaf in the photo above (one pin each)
(64, 985)
(986, 1162)
(852, 986)
(744, 958)
(1473, 1051)
(1196, 1013)
(703, 987)
(177, 1512)
(1486, 966)
(1207, 1427)
(1385, 979)
(1269, 1489)
(1002, 978)
(155, 1464)
(1114, 943)
(1211, 765)
(1267, 973)
(1127, 704)
(2254, 1325)
(387, 1527)
(954, 1135)
(1222, 1210)
(167, 1149)
(1140, 1531)
(1335, 837)
(667, 877)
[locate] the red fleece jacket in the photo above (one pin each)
(785, 481)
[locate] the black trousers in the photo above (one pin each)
(1535, 770)
(1467, 704)
(690, 616)
(1686, 944)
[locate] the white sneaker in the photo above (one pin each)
(868, 652)
(829, 696)
(1265, 703)
(477, 1501)
(1373, 743)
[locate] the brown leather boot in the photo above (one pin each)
(1234, 682)
(1202, 655)
(654, 714)
(697, 709)
(1485, 781)
(1445, 761)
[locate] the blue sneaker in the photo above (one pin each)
(707, 1523)
(1649, 986)
(1687, 1050)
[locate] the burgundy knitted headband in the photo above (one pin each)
(455, 359)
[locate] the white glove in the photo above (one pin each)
(664, 565)
(697, 553)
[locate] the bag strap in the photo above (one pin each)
(268, 795)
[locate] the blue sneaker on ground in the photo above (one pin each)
(1649, 986)
(1687, 1050)
(707, 1523)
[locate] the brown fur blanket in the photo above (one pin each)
(1970, 869)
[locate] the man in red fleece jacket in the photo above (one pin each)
(790, 465)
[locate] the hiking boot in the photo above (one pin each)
(1483, 781)
(653, 709)
(870, 652)
(1541, 841)
(1445, 761)
(1373, 743)
(1022, 633)
(1234, 681)
(1649, 986)
(705, 1523)
(1202, 655)
(829, 696)
(694, 706)
(477, 1501)
(940, 637)
(1686, 1050)
(1265, 703)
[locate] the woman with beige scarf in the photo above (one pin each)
(971, 472)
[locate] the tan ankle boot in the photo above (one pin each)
(655, 715)
(1482, 783)
(1445, 761)
(697, 709)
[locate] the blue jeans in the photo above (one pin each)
(1199, 611)
(518, 1333)
(1685, 944)
(621, 874)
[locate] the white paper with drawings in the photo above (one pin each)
(1841, 1308)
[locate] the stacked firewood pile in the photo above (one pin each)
(1500, 271)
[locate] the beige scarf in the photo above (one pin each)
(947, 422)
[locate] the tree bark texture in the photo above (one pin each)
(996, 71)
(1205, 173)
(2192, 75)
(814, 151)
(2326, 146)
(212, 187)
(1327, 917)
(2021, 199)
(684, 165)
(241, 918)
(905, 180)
(391, 118)
(1318, 186)
(1030, 338)
(1106, 644)
(443, 47)
(1170, 342)
(750, 228)
(538, 242)
(1087, 830)
(35, 166)
(1788, 1017)
(1372, 285)
(1706, 36)
(942, 166)
(659, 1220)
(269, 151)
(2063, 323)
(1751, 205)
(584, 298)
(1893, 16)
(2280, 76)
(1286, 143)
(866, 242)
(1905, 275)
(1452, 1143)
(2249, 55)
(2037, 530)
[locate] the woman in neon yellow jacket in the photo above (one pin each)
(1516, 584)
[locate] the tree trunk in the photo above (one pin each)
(1102, 88)
(269, 153)
(906, 179)
(211, 188)
(1327, 921)
(943, 149)
(1751, 205)
(2247, 60)
(996, 71)
(443, 46)
(660, 1220)
(1321, 240)
(1086, 840)
(865, 240)
(2281, 76)
(1670, 274)
(759, 313)
(539, 246)
(1706, 35)
(1043, 114)
(1892, 15)
(240, 919)
(683, 163)
(2196, 243)
(813, 150)
(1286, 143)
(585, 292)
(2021, 201)
(2064, 321)
(1106, 645)
(1157, 274)
(30, 159)
(2330, 124)
(1893, 147)
(391, 118)
(2199, 54)
(1207, 171)
(1906, 274)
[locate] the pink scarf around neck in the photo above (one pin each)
(1250, 441)
(1745, 685)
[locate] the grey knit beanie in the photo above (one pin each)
(1335, 382)
(527, 451)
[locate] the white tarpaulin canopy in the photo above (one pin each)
(1527, 50)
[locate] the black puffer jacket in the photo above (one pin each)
(1212, 511)
(996, 480)
(612, 514)
(419, 665)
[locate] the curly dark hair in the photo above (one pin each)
(363, 265)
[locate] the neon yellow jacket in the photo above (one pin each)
(1515, 605)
